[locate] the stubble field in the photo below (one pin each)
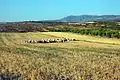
(90, 58)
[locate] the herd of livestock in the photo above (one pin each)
(52, 40)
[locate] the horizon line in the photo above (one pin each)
(63, 17)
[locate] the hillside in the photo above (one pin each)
(106, 21)
(22, 27)
(43, 26)
(90, 18)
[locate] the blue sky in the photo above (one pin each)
(19, 10)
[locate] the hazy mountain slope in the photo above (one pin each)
(86, 18)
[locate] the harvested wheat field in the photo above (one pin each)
(90, 58)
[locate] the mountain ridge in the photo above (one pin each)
(89, 18)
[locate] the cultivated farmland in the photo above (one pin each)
(90, 58)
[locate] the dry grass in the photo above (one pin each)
(91, 58)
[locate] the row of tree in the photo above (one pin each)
(90, 31)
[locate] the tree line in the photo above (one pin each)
(90, 31)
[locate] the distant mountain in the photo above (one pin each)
(89, 18)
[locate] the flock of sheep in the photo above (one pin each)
(52, 40)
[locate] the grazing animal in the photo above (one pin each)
(56, 40)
